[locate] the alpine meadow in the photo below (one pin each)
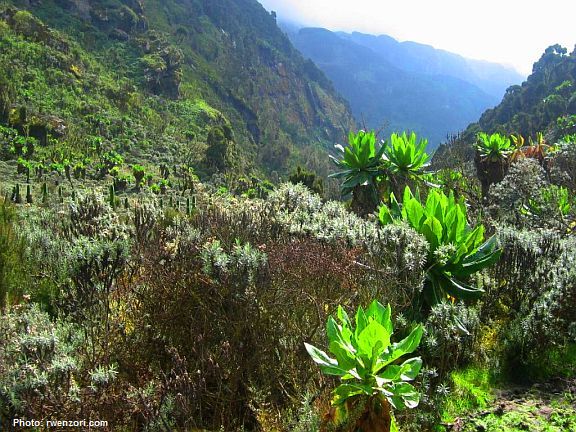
(216, 220)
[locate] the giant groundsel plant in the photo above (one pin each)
(493, 153)
(374, 381)
(456, 251)
(360, 167)
(369, 169)
(494, 147)
(404, 161)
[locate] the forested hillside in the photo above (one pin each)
(161, 75)
(547, 94)
(545, 102)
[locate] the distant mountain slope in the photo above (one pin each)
(492, 78)
(393, 83)
(227, 54)
(548, 94)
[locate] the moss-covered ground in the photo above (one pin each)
(479, 403)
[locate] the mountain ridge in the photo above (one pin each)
(413, 56)
(379, 87)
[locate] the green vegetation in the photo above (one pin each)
(370, 171)
(492, 158)
(473, 405)
(405, 159)
(139, 172)
(532, 418)
(309, 179)
(471, 391)
(457, 251)
(103, 82)
(556, 363)
(361, 166)
(372, 385)
(156, 273)
(494, 147)
(11, 249)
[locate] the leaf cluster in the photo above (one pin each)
(366, 358)
(404, 155)
(456, 250)
(359, 162)
(370, 169)
(553, 199)
(494, 147)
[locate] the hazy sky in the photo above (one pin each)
(505, 31)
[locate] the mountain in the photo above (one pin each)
(163, 74)
(404, 85)
(547, 95)
(492, 78)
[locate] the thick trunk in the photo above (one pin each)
(490, 172)
(376, 418)
(364, 200)
(363, 414)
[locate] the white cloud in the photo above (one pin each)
(505, 31)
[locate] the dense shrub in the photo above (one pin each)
(532, 302)
(182, 320)
(198, 311)
(12, 272)
(451, 331)
(239, 288)
(37, 365)
(45, 372)
(563, 166)
(523, 182)
(189, 316)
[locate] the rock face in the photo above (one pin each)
(83, 7)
